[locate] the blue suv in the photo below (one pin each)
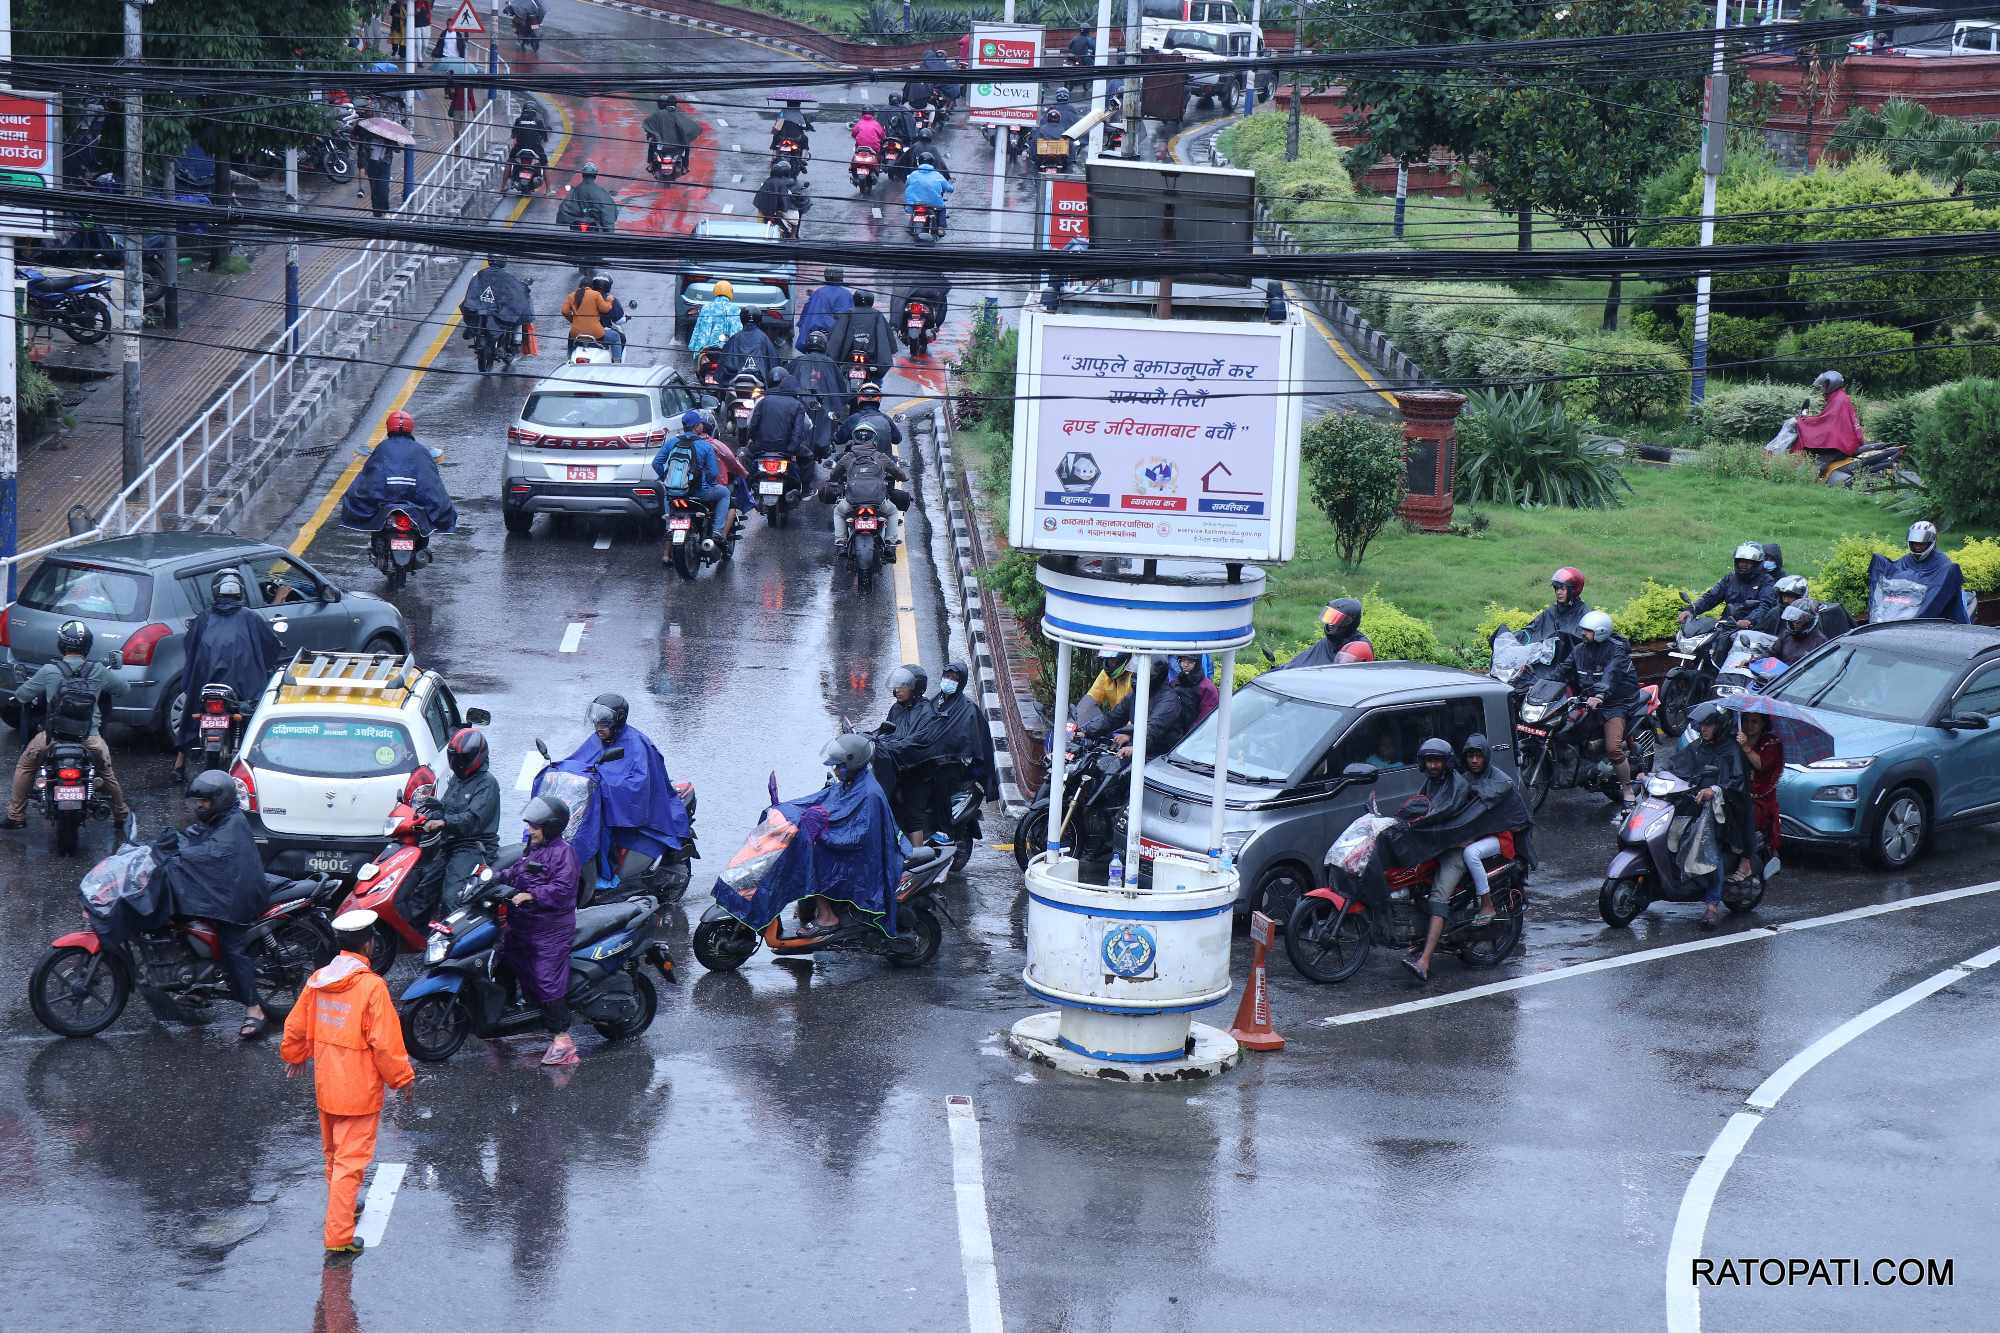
(1913, 707)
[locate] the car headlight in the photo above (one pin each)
(1844, 793)
(435, 951)
(1232, 842)
(1842, 763)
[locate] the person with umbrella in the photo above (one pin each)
(1765, 755)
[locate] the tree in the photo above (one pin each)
(1356, 474)
(1596, 132)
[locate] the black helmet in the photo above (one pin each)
(73, 639)
(895, 99)
(664, 103)
(467, 751)
(814, 341)
(864, 298)
(227, 583)
(909, 676)
(496, 261)
(1341, 619)
(1707, 712)
(1435, 747)
(782, 169)
(215, 790)
(608, 710)
(927, 158)
(849, 752)
(549, 815)
(602, 282)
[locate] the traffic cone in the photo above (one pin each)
(1252, 1028)
(533, 344)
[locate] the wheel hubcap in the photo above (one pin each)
(1901, 828)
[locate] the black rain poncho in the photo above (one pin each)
(212, 870)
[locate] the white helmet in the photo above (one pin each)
(1792, 585)
(1749, 551)
(1923, 533)
(1597, 625)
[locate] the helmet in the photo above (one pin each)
(870, 392)
(836, 275)
(399, 422)
(849, 752)
(927, 158)
(1709, 711)
(466, 752)
(751, 315)
(1751, 551)
(548, 814)
(664, 103)
(1062, 94)
(608, 709)
(1792, 585)
(1597, 624)
(589, 169)
(863, 434)
(496, 261)
(691, 419)
(909, 676)
(1357, 650)
(814, 341)
(1923, 534)
(724, 288)
(1569, 576)
(73, 639)
(1341, 619)
(226, 584)
(782, 168)
(602, 282)
(216, 789)
(895, 99)
(1436, 747)
(1832, 379)
(1802, 616)
(864, 298)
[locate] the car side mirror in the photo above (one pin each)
(478, 717)
(1364, 774)
(1964, 722)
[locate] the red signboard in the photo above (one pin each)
(1069, 212)
(24, 133)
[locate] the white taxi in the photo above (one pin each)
(336, 741)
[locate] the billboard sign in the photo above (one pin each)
(30, 153)
(1002, 46)
(1069, 212)
(1149, 437)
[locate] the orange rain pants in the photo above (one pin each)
(349, 1144)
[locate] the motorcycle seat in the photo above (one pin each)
(596, 923)
(278, 889)
(70, 282)
(922, 857)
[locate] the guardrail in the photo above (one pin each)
(240, 420)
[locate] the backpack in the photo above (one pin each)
(75, 704)
(867, 478)
(678, 476)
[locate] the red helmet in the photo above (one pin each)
(467, 751)
(1359, 650)
(399, 422)
(1569, 576)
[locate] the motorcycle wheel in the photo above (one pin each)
(1031, 837)
(1490, 947)
(337, 164)
(86, 321)
(723, 946)
(961, 855)
(1744, 897)
(687, 559)
(435, 1026)
(1676, 699)
(1619, 901)
(383, 945)
(69, 1012)
(674, 880)
(68, 832)
(1326, 944)
(867, 558)
(283, 964)
(482, 351)
(922, 924)
(1540, 776)
(649, 1005)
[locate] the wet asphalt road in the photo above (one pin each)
(776, 1144)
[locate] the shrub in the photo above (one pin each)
(1649, 325)
(1522, 448)
(1979, 561)
(1738, 461)
(1958, 452)
(1397, 635)
(1623, 377)
(1843, 575)
(1313, 178)
(1500, 617)
(1747, 411)
(1895, 421)
(1736, 345)
(1979, 337)
(1355, 474)
(1871, 356)
(1652, 614)
(1512, 361)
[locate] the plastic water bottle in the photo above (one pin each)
(1116, 878)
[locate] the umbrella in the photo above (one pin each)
(455, 66)
(1805, 741)
(790, 95)
(384, 128)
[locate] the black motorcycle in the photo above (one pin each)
(775, 484)
(1692, 677)
(866, 551)
(920, 324)
(689, 546)
(219, 728)
(399, 546)
(663, 166)
(1561, 742)
(1096, 783)
(526, 171)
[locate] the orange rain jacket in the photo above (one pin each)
(347, 1026)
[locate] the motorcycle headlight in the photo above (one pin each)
(436, 950)
(1534, 712)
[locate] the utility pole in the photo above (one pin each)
(292, 251)
(1131, 108)
(1098, 85)
(1714, 138)
(410, 96)
(998, 203)
(134, 444)
(1298, 45)
(170, 294)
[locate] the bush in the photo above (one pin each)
(1895, 421)
(1623, 377)
(1736, 345)
(1652, 614)
(1522, 448)
(1737, 461)
(1500, 617)
(1958, 452)
(1843, 575)
(1654, 327)
(1871, 356)
(1397, 635)
(1355, 474)
(1979, 561)
(1752, 412)
(1979, 337)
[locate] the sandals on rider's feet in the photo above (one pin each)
(252, 1029)
(1422, 972)
(1708, 919)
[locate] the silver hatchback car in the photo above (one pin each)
(1292, 736)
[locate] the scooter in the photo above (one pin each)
(895, 158)
(378, 883)
(775, 485)
(526, 171)
(663, 166)
(864, 169)
(1749, 666)
(723, 943)
(399, 547)
(459, 995)
(663, 875)
(708, 370)
(219, 725)
(1647, 867)
(926, 224)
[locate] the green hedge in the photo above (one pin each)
(1748, 412)
(1736, 345)
(1873, 357)
(1625, 377)
(1314, 190)
(1895, 420)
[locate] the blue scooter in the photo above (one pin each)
(459, 996)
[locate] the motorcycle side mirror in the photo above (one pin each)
(542, 749)
(612, 755)
(478, 717)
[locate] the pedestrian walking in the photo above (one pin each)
(346, 1025)
(377, 156)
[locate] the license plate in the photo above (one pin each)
(1049, 148)
(743, 409)
(69, 796)
(582, 472)
(1685, 657)
(770, 488)
(916, 326)
(1532, 731)
(215, 724)
(866, 524)
(402, 543)
(330, 865)
(855, 376)
(680, 524)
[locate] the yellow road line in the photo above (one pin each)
(324, 510)
(1321, 327)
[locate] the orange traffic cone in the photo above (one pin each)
(533, 344)
(1252, 1028)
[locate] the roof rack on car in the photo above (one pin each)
(318, 677)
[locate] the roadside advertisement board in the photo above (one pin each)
(1068, 213)
(1003, 46)
(1148, 437)
(30, 154)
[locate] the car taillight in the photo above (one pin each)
(140, 644)
(423, 777)
(69, 775)
(643, 492)
(246, 786)
(658, 436)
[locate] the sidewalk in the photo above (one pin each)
(182, 370)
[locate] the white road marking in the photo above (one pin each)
(736, 179)
(381, 1197)
(1691, 1224)
(1653, 955)
(531, 764)
(729, 208)
(876, 213)
(720, 121)
(736, 148)
(572, 638)
(975, 1236)
(603, 542)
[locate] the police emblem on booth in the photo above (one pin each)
(1130, 950)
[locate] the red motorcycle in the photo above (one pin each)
(919, 324)
(864, 168)
(708, 369)
(376, 884)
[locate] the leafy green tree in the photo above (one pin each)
(1911, 137)
(1958, 452)
(1356, 475)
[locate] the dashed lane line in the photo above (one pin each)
(380, 1199)
(572, 638)
(975, 1233)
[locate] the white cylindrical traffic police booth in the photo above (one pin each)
(1127, 966)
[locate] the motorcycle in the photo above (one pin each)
(864, 169)
(788, 221)
(665, 167)
(1096, 783)
(962, 820)
(864, 545)
(1650, 863)
(67, 787)
(528, 32)
(399, 547)
(332, 156)
(791, 150)
(723, 943)
(1052, 152)
(526, 171)
(1749, 666)
(708, 370)
(775, 485)
(739, 403)
(496, 342)
(1562, 742)
(688, 519)
(919, 325)
(926, 113)
(219, 725)
(926, 224)
(75, 304)
(82, 984)
(1692, 678)
(378, 883)
(1331, 929)
(460, 995)
(664, 874)
(857, 375)
(896, 158)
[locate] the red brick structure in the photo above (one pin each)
(1430, 451)
(1438, 176)
(1965, 86)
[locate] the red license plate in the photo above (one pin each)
(212, 723)
(69, 796)
(1532, 731)
(582, 472)
(402, 543)
(680, 524)
(866, 524)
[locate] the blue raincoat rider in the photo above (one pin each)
(401, 472)
(634, 805)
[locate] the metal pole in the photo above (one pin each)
(996, 218)
(292, 250)
(1098, 85)
(133, 451)
(1223, 689)
(170, 298)
(1715, 133)
(1130, 111)
(10, 443)
(1402, 194)
(1059, 751)
(410, 97)
(1292, 111)
(1141, 714)
(493, 48)
(1871, 31)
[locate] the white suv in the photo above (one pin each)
(585, 440)
(336, 741)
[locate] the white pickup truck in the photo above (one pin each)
(1969, 37)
